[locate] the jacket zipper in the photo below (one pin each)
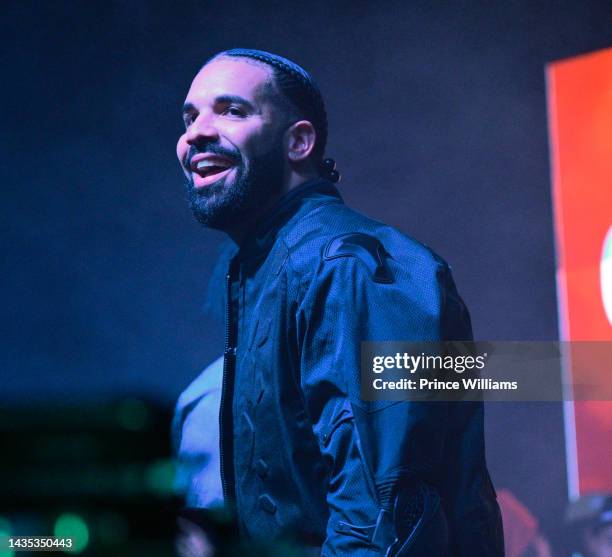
(226, 427)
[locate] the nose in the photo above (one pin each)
(201, 131)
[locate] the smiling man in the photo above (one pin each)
(297, 453)
(235, 110)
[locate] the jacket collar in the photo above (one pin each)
(290, 208)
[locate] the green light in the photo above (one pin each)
(133, 414)
(5, 531)
(5, 527)
(111, 528)
(72, 526)
(159, 477)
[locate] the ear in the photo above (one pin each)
(300, 138)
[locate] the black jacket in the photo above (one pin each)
(301, 453)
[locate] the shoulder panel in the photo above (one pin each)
(364, 247)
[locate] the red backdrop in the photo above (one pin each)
(580, 118)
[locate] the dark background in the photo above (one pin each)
(438, 124)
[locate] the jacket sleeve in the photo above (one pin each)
(382, 457)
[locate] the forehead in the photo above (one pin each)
(231, 76)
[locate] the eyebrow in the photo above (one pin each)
(188, 107)
(224, 99)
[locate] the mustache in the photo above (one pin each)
(212, 148)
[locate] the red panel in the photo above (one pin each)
(580, 116)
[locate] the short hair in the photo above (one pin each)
(298, 87)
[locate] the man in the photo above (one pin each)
(589, 525)
(300, 454)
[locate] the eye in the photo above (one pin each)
(188, 119)
(233, 110)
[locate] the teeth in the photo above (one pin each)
(207, 164)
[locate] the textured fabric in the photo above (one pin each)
(311, 459)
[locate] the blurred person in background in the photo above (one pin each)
(522, 536)
(590, 525)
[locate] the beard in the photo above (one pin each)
(230, 204)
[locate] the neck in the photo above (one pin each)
(239, 234)
(296, 179)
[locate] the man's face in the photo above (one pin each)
(232, 149)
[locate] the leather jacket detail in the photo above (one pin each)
(368, 249)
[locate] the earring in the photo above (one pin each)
(329, 170)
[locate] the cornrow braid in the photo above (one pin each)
(300, 89)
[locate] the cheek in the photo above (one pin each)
(265, 140)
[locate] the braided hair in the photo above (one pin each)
(299, 88)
